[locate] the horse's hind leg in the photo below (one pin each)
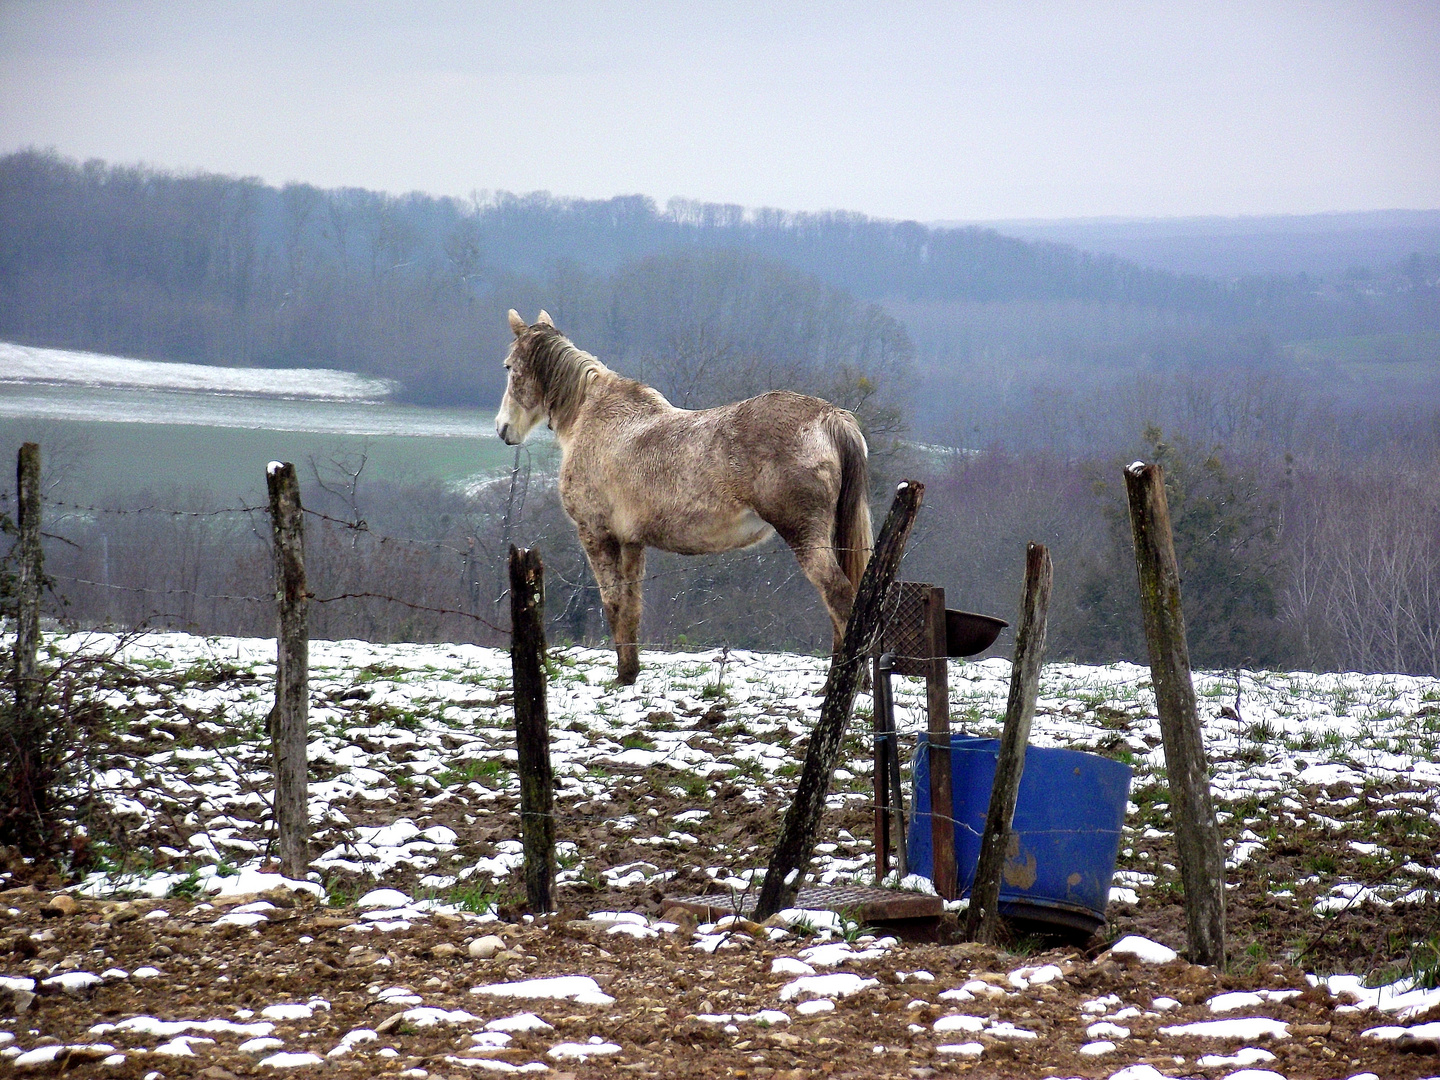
(627, 624)
(816, 556)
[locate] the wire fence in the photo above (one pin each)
(178, 567)
(188, 567)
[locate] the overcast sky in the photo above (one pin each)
(931, 111)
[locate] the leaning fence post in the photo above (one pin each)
(290, 720)
(796, 845)
(532, 724)
(983, 919)
(1202, 863)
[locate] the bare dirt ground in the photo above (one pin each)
(660, 985)
(1327, 803)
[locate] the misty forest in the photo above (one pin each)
(1297, 414)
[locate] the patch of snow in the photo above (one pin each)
(386, 898)
(1248, 1055)
(291, 1060)
(577, 988)
(1144, 950)
(840, 984)
(290, 1011)
(819, 1005)
(525, 1021)
(969, 1049)
(1243, 999)
(1107, 1030)
(787, 965)
(1244, 1029)
(596, 1047)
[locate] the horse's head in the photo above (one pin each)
(523, 405)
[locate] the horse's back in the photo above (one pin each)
(704, 480)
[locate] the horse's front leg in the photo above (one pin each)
(626, 626)
(605, 554)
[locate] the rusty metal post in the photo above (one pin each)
(937, 702)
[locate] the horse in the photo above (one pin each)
(637, 472)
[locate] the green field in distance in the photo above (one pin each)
(110, 462)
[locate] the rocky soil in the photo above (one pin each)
(262, 984)
(169, 949)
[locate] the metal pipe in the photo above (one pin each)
(885, 711)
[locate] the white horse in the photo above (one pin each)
(637, 472)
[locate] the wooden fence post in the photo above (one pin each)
(25, 786)
(1202, 862)
(290, 721)
(30, 575)
(532, 724)
(983, 918)
(796, 845)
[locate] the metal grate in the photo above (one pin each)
(902, 627)
(863, 902)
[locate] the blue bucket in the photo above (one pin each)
(1065, 836)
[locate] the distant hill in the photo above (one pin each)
(1319, 245)
(229, 271)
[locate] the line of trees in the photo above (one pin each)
(225, 270)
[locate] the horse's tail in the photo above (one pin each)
(852, 536)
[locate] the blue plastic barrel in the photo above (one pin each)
(1064, 840)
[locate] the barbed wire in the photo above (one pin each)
(165, 511)
(406, 603)
(362, 526)
(164, 592)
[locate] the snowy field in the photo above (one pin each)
(1326, 786)
(120, 425)
(27, 364)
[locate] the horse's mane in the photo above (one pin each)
(565, 373)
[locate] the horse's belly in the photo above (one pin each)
(708, 533)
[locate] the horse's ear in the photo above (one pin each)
(544, 320)
(517, 323)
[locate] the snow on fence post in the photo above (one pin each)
(532, 724)
(290, 719)
(1202, 862)
(26, 733)
(983, 919)
(796, 845)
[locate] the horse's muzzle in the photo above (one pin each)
(504, 431)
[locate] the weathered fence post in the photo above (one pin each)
(1202, 863)
(22, 758)
(796, 845)
(532, 724)
(290, 721)
(983, 919)
(30, 574)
